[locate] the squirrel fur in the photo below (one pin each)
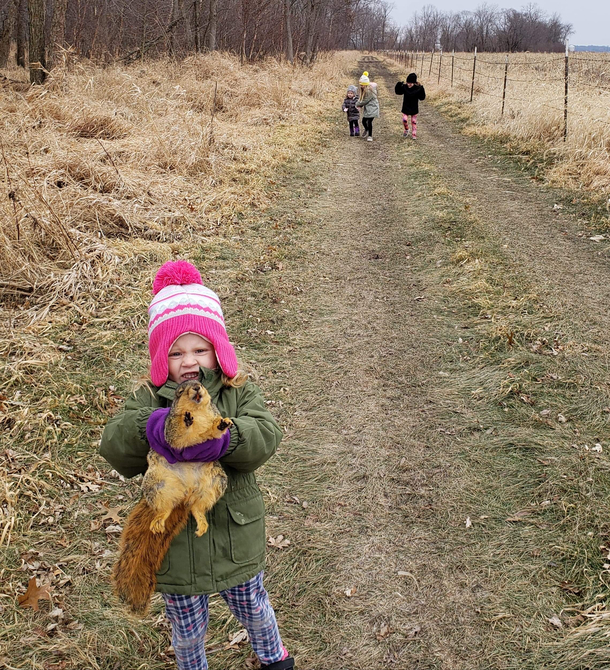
(171, 491)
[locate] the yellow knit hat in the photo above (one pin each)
(364, 80)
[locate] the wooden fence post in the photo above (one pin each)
(452, 60)
(504, 88)
(440, 65)
(423, 53)
(565, 99)
(474, 67)
(431, 59)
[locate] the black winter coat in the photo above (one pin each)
(410, 105)
(353, 113)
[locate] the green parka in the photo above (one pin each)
(233, 549)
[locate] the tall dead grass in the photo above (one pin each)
(533, 119)
(103, 163)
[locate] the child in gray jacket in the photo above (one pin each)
(353, 113)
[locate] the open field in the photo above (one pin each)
(533, 120)
(430, 331)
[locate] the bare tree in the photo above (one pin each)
(22, 32)
(288, 25)
(7, 25)
(212, 26)
(37, 56)
(58, 29)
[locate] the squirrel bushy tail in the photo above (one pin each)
(141, 553)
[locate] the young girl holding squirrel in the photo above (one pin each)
(412, 92)
(188, 340)
(353, 113)
(369, 103)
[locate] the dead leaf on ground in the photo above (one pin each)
(252, 662)
(279, 542)
(383, 632)
(520, 515)
(351, 592)
(33, 594)
(241, 637)
(112, 514)
(114, 529)
(556, 622)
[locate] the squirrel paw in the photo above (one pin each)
(202, 528)
(157, 526)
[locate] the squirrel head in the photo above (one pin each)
(191, 392)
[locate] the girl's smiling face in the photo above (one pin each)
(187, 354)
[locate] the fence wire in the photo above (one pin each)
(563, 79)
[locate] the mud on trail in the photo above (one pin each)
(445, 367)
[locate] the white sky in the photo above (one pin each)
(590, 19)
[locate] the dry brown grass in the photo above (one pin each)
(111, 172)
(533, 114)
(123, 152)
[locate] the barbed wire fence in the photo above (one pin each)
(557, 82)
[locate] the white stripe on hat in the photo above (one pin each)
(193, 310)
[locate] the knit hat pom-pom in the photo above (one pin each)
(176, 273)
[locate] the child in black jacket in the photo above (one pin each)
(413, 92)
(353, 113)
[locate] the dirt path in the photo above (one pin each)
(570, 270)
(395, 577)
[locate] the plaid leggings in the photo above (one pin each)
(405, 123)
(249, 604)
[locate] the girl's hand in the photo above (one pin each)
(205, 452)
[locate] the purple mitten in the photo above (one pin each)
(210, 450)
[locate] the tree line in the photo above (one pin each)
(487, 28)
(34, 31)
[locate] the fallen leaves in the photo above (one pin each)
(383, 632)
(279, 542)
(112, 514)
(238, 639)
(520, 515)
(34, 593)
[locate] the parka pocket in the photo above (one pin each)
(165, 565)
(247, 529)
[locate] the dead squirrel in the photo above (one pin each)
(171, 491)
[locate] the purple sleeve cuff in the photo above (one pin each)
(210, 450)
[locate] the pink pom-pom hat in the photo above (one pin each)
(182, 304)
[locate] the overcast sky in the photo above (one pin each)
(590, 19)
